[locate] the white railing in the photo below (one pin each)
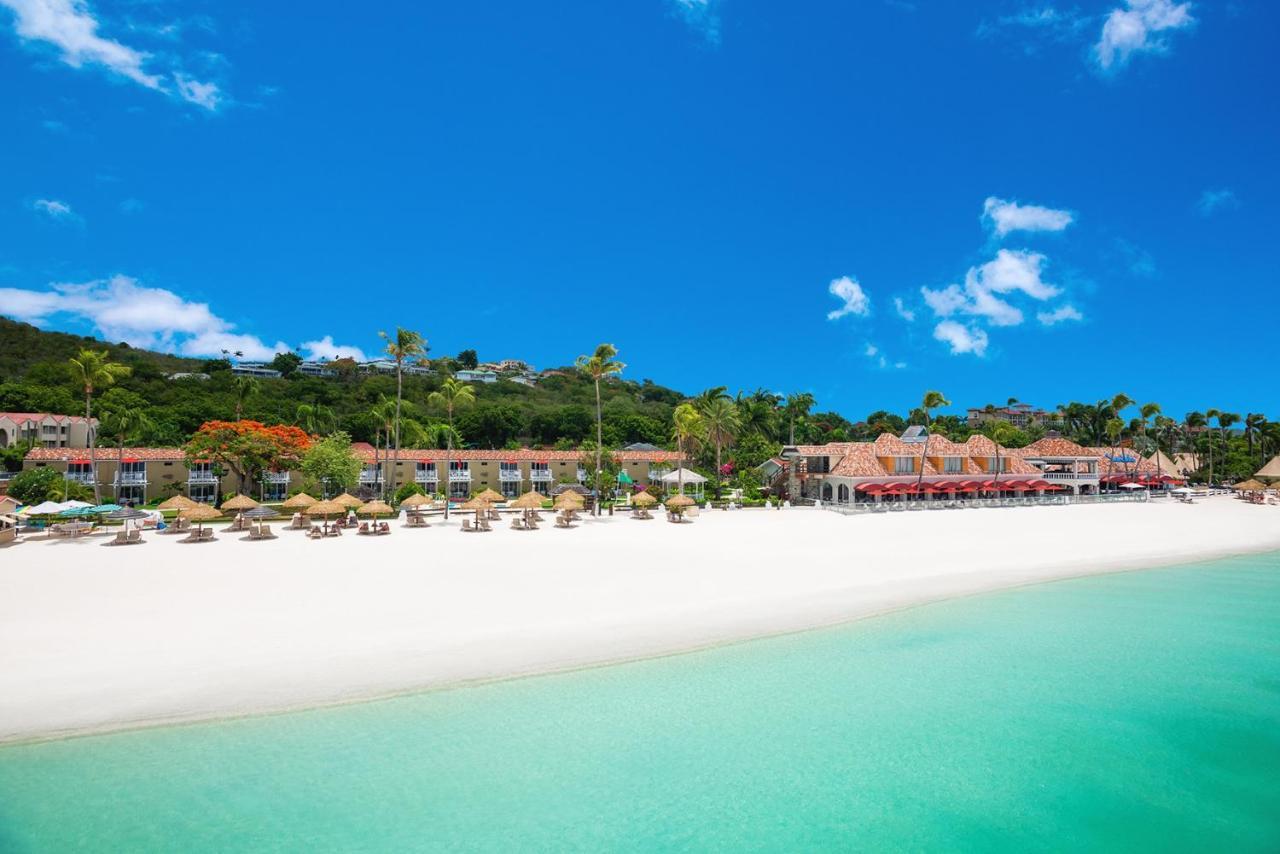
(276, 477)
(865, 507)
(80, 477)
(509, 476)
(541, 475)
(132, 478)
(425, 476)
(202, 477)
(1066, 475)
(460, 476)
(370, 478)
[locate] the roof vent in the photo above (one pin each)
(915, 434)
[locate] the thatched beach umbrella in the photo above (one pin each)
(529, 501)
(301, 501)
(417, 500)
(677, 503)
(325, 509)
(490, 495)
(477, 503)
(376, 509)
(238, 503)
(644, 499)
(348, 501)
(569, 499)
(177, 502)
(199, 514)
(260, 513)
(1250, 486)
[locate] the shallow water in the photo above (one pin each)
(1132, 711)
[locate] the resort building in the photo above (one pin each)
(1020, 415)
(145, 474)
(388, 366)
(890, 469)
(45, 430)
(1065, 463)
(254, 369)
(316, 369)
(477, 376)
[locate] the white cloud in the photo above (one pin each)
(1005, 217)
(122, 309)
(1059, 315)
(1015, 270)
(53, 208)
(871, 349)
(963, 339)
(1212, 201)
(326, 349)
(856, 302)
(70, 26)
(946, 301)
(901, 308)
(701, 15)
(1136, 28)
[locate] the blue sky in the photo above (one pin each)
(864, 200)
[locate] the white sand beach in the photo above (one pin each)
(95, 638)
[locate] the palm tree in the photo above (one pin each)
(687, 430)
(316, 418)
(932, 400)
(245, 388)
(1208, 414)
(1225, 420)
(1001, 433)
(92, 369)
(453, 395)
(1192, 423)
(383, 414)
(1253, 424)
(600, 364)
(758, 413)
(124, 424)
(797, 408)
(405, 344)
(720, 417)
(1149, 411)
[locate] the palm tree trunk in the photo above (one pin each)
(448, 462)
(924, 454)
(599, 449)
(717, 470)
(119, 464)
(388, 482)
(93, 456)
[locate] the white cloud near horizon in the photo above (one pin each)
(905, 313)
(962, 338)
(70, 26)
(324, 349)
(1212, 201)
(1136, 28)
(120, 308)
(1005, 217)
(855, 299)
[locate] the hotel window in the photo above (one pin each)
(510, 488)
(952, 465)
(459, 466)
(904, 465)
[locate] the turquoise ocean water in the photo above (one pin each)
(1128, 712)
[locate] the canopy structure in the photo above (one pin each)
(529, 501)
(47, 508)
(673, 479)
(477, 503)
(644, 499)
(1250, 485)
(416, 500)
(237, 503)
(376, 509)
(177, 502)
(1271, 471)
(301, 501)
(624, 479)
(325, 509)
(262, 512)
(678, 503)
(348, 501)
(489, 494)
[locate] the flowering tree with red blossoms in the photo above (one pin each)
(248, 448)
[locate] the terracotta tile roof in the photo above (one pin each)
(42, 416)
(1055, 447)
(524, 455)
(103, 454)
(1136, 465)
(859, 460)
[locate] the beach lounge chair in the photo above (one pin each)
(466, 526)
(384, 528)
(484, 525)
(135, 536)
(315, 533)
(364, 528)
(122, 538)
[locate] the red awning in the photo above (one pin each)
(130, 460)
(79, 461)
(870, 487)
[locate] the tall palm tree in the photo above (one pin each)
(1253, 424)
(1225, 420)
(124, 424)
(93, 369)
(1149, 411)
(383, 414)
(720, 417)
(1208, 414)
(1000, 432)
(758, 413)
(316, 418)
(405, 344)
(797, 408)
(600, 364)
(688, 431)
(1192, 423)
(244, 388)
(452, 396)
(932, 400)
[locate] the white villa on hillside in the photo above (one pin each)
(45, 430)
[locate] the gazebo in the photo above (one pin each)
(1270, 472)
(672, 480)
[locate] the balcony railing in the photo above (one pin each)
(134, 478)
(370, 477)
(276, 477)
(426, 476)
(509, 475)
(459, 476)
(202, 477)
(84, 477)
(540, 475)
(1066, 475)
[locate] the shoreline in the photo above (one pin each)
(82, 690)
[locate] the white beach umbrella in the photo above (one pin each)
(1132, 486)
(67, 505)
(45, 508)
(1182, 490)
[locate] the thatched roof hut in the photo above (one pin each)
(177, 502)
(529, 501)
(238, 502)
(417, 500)
(348, 500)
(301, 501)
(376, 509)
(644, 499)
(326, 509)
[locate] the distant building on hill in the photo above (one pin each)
(254, 369)
(45, 430)
(1020, 415)
(477, 376)
(188, 375)
(316, 369)
(388, 366)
